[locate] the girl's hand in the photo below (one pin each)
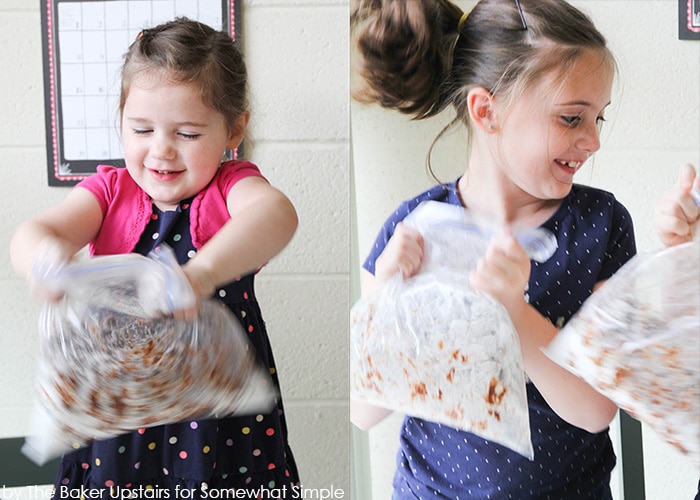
(503, 273)
(166, 288)
(676, 213)
(52, 255)
(403, 253)
(202, 285)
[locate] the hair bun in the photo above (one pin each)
(400, 54)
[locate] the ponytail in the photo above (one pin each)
(404, 53)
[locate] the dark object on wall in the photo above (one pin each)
(83, 44)
(689, 19)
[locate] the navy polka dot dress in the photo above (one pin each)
(190, 458)
(595, 238)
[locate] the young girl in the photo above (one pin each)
(183, 105)
(530, 80)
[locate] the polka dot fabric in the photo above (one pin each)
(245, 452)
(595, 238)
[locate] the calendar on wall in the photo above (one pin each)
(84, 42)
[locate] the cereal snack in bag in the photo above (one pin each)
(433, 347)
(637, 341)
(108, 365)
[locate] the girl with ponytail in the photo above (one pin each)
(530, 80)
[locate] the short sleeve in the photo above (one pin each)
(446, 193)
(621, 244)
(380, 242)
(101, 185)
(233, 171)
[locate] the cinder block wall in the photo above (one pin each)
(296, 53)
(653, 126)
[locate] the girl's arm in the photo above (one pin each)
(504, 273)
(263, 221)
(62, 230)
(569, 396)
(403, 253)
(363, 415)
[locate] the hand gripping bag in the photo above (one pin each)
(433, 347)
(637, 341)
(110, 362)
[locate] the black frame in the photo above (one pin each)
(63, 172)
(689, 19)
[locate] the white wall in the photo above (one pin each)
(653, 126)
(296, 53)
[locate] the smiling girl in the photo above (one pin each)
(183, 105)
(530, 80)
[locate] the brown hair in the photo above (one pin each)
(411, 57)
(187, 51)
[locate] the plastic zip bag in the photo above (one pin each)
(108, 365)
(637, 341)
(129, 283)
(433, 347)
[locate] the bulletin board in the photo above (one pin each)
(83, 43)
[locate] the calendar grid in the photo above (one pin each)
(84, 42)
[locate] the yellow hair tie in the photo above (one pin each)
(461, 21)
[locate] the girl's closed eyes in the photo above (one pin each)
(184, 135)
(190, 136)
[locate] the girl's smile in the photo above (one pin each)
(165, 175)
(569, 169)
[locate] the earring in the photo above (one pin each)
(492, 127)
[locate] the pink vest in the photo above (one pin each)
(127, 208)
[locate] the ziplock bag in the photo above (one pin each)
(433, 347)
(637, 341)
(108, 366)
